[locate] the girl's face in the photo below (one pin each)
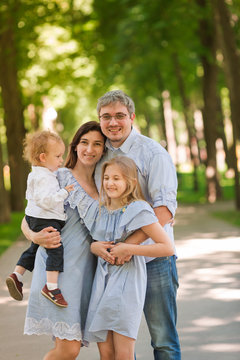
(53, 159)
(90, 148)
(114, 183)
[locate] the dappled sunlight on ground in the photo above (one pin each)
(6, 299)
(11, 302)
(197, 247)
(209, 295)
(210, 321)
(222, 348)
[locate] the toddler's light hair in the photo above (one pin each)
(37, 143)
(128, 170)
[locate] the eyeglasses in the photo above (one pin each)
(118, 116)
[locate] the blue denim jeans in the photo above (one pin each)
(160, 308)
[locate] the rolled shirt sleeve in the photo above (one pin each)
(162, 182)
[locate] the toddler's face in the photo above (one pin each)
(54, 156)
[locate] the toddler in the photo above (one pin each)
(44, 150)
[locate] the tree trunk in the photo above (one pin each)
(207, 37)
(162, 122)
(170, 132)
(146, 131)
(221, 134)
(192, 140)
(232, 71)
(4, 200)
(13, 114)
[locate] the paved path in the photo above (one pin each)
(208, 298)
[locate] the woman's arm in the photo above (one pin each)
(162, 247)
(49, 237)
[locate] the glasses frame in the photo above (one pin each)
(113, 116)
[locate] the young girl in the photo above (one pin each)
(44, 150)
(118, 292)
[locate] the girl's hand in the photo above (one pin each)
(120, 250)
(100, 248)
(69, 188)
(122, 260)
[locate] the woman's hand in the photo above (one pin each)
(49, 237)
(100, 248)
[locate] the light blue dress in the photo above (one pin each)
(44, 317)
(118, 292)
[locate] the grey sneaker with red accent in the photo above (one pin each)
(55, 296)
(14, 287)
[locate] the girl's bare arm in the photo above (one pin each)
(162, 247)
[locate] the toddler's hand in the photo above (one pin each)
(69, 188)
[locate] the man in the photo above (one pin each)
(157, 176)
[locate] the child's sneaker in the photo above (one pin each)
(14, 287)
(55, 296)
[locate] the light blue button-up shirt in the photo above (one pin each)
(156, 171)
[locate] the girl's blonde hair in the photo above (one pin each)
(128, 170)
(37, 143)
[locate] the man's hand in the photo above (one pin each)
(100, 248)
(164, 215)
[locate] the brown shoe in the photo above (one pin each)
(14, 287)
(55, 296)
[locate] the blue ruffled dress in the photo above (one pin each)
(118, 292)
(75, 282)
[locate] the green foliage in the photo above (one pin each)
(11, 231)
(187, 195)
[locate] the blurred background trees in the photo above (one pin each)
(178, 60)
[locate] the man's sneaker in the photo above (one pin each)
(14, 287)
(55, 296)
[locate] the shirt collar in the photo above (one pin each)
(42, 169)
(125, 147)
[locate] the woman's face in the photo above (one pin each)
(90, 148)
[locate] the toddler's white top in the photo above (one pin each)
(44, 196)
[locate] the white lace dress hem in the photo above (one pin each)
(60, 330)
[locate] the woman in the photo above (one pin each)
(43, 317)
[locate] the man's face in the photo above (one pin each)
(116, 123)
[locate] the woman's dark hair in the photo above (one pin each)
(84, 129)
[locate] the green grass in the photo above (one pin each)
(232, 217)
(9, 232)
(187, 195)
